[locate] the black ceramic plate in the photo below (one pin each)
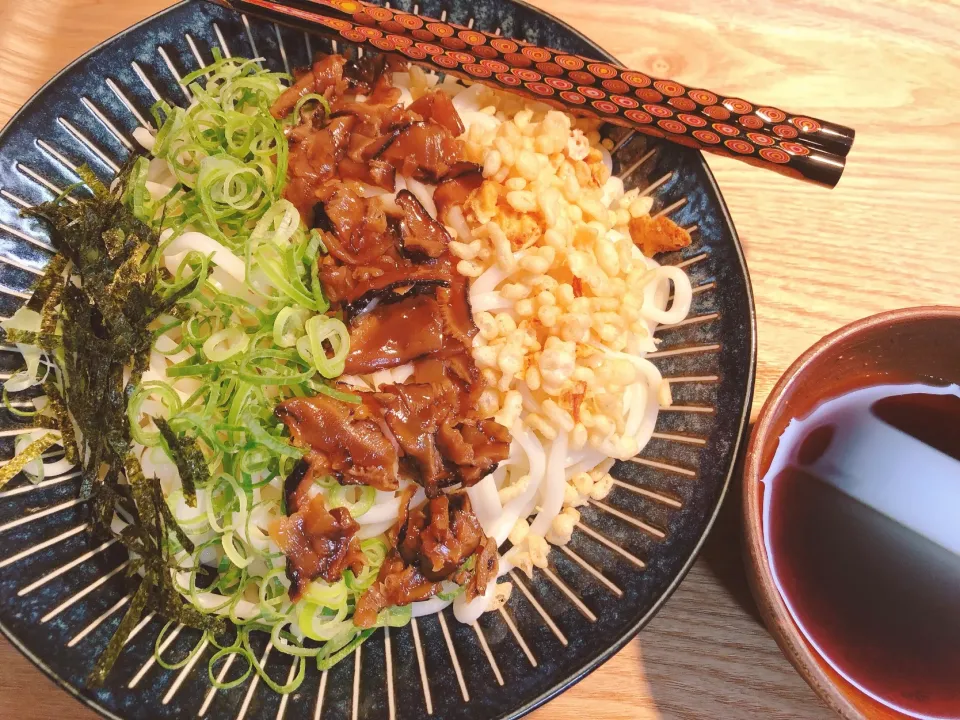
(61, 597)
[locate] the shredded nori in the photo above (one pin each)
(100, 326)
(130, 619)
(189, 460)
(24, 457)
(40, 339)
(58, 407)
(52, 279)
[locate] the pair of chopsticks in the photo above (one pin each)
(794, 145)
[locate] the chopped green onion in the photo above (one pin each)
(180, 663)
(365, 495)
(153, 388)
(323, 329)
(374, 552)
(396, 616)
(224, 653)
(322, 624)
(328, 595)
(226, 343)
(351, 640)
(289, 326)
(309, 98)
(337, 394)
(227, 541)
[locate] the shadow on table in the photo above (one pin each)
(707, 653)
(723, 551)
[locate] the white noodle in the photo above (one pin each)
(655, 296)
(380, 513)
(485, 501)
(551, 494)
(459, 223)
(490, 301)
(369, 531)
(221, 256)
(468, 612)
(519, 506)
(423, 193)
(488, 281)
(429, 607)
(146, 138)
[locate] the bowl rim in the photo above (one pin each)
(85, 696)
(772, 608)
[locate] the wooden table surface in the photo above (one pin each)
(885, 238)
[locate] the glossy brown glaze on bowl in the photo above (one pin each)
(911, 345)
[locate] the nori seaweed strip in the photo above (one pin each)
(141, 492)
(114, 239)
(169, 519)
(130, 619)
(140, 364)
(89, 482)
(64, 423)
(49, 315)
(151, 516)
(23, 458)
(129, 279)
(52, 278)
(188, 458)
(117, 430)
(27, 337)
(104, 502)
(92, 181)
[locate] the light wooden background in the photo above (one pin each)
(887, 237)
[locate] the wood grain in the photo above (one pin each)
(885, 238)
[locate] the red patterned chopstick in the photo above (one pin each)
(793, 145)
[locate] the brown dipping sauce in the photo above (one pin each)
(879, 601)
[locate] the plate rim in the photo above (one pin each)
(738, 445)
